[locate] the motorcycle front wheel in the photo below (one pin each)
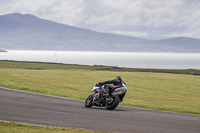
(88, 101)
(113, 103)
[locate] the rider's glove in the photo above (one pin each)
(99, 84)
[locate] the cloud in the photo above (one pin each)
(131, 33)
(63, 11)
(5, 2)
(153, 19)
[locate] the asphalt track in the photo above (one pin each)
(17, 106)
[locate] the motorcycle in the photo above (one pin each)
(97, 98)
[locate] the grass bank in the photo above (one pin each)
(160, 91)
(39, 65)
(23, 128)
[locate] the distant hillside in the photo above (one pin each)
(27, 32)
(2, 50)
(183, 43)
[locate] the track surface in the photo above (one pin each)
(39, 109)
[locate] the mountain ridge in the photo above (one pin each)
(28, 32)
(3, 50)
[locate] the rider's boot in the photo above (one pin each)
(107, 94)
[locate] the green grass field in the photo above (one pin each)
(159, 91)
(23, 128)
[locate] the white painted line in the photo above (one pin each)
(28, 124)
(159, 111)
(40, 94)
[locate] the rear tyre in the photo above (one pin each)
(113, 103)
(88, 101)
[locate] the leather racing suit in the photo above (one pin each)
(117, 83)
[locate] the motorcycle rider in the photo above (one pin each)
(117, 83)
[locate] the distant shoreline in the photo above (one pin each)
(59, 50)
(45, 65)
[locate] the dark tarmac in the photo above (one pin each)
(30, 108)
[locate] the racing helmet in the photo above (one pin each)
(117, 77)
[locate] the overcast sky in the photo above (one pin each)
(150, 19)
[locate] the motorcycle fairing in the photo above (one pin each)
(96, 96)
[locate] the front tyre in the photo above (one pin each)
(88, 101)
(113, 103)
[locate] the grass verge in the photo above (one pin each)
(40, 66)
(24, 128)
(159, 91)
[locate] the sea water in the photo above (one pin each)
(119, 59)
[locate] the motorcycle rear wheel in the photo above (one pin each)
(88, 101)
(113, 104)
